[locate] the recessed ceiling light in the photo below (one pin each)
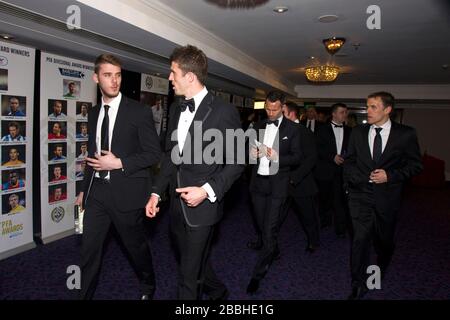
(312, 57)
(280, 9)
(5, 36)
(327, 18)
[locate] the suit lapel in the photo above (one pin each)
(366, 148)
(333, 137)
(390, 142)
(93, 116)
(121, 115)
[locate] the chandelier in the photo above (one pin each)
(324, 73)
(333, 44)
(238, 4)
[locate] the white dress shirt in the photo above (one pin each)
(384, 135)
(112, 114)
(338, 135)
(269, 138)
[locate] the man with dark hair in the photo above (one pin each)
(71, 90)
(196, 188)
(382, 156)
(332, 142)
(56, 131)
(14, 108)
(58, 194)
(14, 181)
(122, 146)
(13, 158)
(302, 186)
(58, 151)
(277, 150)
(57, 174)
(83, 134)
(57, 111)
(311, 121)
(83, 115)
(83, 151)
(14, 133)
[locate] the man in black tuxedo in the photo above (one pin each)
(302, 185)
(122, 147)
(276, 149)
(197, 185)
(311, 121)
(382, 155)
(332, 141)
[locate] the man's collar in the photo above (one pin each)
(115, 102)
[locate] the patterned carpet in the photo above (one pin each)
(420, 268)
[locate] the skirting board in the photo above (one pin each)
(58, 236)
(13, 252)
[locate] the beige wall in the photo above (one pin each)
(433, 129)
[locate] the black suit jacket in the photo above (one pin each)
(302, 182)
(191, 169)
(318, 124)
(288, 149)
(401, 159)
(135, 142)
(326, 168)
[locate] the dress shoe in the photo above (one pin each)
(255, 245)
(223, 296)
(253, 286)
(310, 249)
(357, 293)
(147, 296)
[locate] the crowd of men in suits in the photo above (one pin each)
(293, 163)
(351, 181)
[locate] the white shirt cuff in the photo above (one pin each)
(155, 194)
(209, 190)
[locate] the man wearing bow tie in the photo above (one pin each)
(196, 188)
(382, 156)
(276, 150)
(332, 141)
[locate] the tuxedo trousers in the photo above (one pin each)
(370, 226)
(193, 245)
(100, 213)
(267, 210)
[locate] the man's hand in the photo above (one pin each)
(338, 159)
(255, 153)
(79, 200)
(378, 176)
(107, 162)
(151, 208)
(193, 196)
(272, 154)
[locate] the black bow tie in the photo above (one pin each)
(188, 103)
(275, 122)
(337, 125)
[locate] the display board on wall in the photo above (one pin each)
(67, 94)
(16, 97)
(154, 91)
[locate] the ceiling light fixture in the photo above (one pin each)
(327, 18)
(333, 44)
(5, 36)
(280, 9)
(324, 73)
(238, 4)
